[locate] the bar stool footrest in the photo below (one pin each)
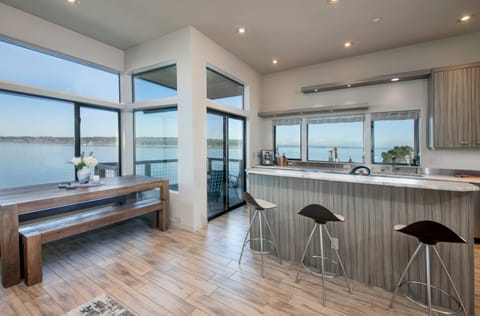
(327, 274)
(267, 241)
(442, 291)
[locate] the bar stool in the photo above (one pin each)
(428, 234)
(260, 206)
(321, 216)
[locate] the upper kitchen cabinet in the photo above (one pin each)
(456, 107)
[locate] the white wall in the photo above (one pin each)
(21, 26)
(282, 90)
(192, 52)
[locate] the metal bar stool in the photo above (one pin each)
(321, 216)
(428, 234)
(260, 206)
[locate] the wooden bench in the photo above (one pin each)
(46, 230)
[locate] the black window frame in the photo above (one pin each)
(135, 74)
(229, 79)
(326, 161)
(173, 187)
(275, 141)
(416, 142)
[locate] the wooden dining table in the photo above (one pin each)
(27, 199)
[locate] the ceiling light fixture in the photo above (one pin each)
(348, 44)
(395, 79)
(464, 18)
(274, 61)
(349, 85)
(333, 1)
(73, 1)
(376, 19)
(241, 30)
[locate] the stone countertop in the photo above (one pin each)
(426, 182)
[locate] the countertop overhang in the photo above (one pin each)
(373, 180)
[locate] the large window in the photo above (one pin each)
(38, 139)
(395, 137)
(288, 138)
(99, 130)
(335, 139)
(224, 90)
(155, 84)
(31, 67)
(156, 135)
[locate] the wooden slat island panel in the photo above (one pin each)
(372, 252)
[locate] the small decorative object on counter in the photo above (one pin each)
(335, 154)
(284, 160)
(82, 165)
(330, 155)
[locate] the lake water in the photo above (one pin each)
(24, 164)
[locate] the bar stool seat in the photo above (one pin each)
(321, 215)
(429, 233)
(260, 207)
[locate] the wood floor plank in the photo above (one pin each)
(137, 302)
(44, 305)
(65, 297)
(189, 273)
(211, 306)
(172, 303)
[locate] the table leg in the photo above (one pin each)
(9, 243)
(164, 196)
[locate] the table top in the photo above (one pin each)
(49, 195)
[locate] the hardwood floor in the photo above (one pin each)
(183, 273)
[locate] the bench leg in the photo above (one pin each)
(154, 219)
(32, 257)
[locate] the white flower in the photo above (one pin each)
(90, 161)
(76, 160)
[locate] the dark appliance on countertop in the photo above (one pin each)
(266, 157)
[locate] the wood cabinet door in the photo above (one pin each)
(452, 110)
(475, 86)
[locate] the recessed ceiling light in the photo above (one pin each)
(274, 61)
(73, 1)
(376, 19)
(333, 1)
(241, 30)
(315, 90)
(395, 79)
(348, 44)
(464, 18)
(349, 85)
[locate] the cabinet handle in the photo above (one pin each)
(464, 142)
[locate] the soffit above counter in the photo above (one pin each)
(316, 110)
(383, 79)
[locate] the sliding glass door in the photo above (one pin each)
(225, 162)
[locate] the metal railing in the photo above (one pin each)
(167, 168)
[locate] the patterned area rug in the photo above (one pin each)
(102, 305)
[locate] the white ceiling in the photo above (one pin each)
(296, 32)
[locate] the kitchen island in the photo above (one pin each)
(373, 253)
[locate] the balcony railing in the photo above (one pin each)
(167, 168)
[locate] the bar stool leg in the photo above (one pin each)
(305, 252)
(415, 253)
(429, 288)
(324, 296)
(450, 279)
(340, 262)
(246, 235)
(274, 240)
(260, 214)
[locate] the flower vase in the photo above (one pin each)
(83, 175)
